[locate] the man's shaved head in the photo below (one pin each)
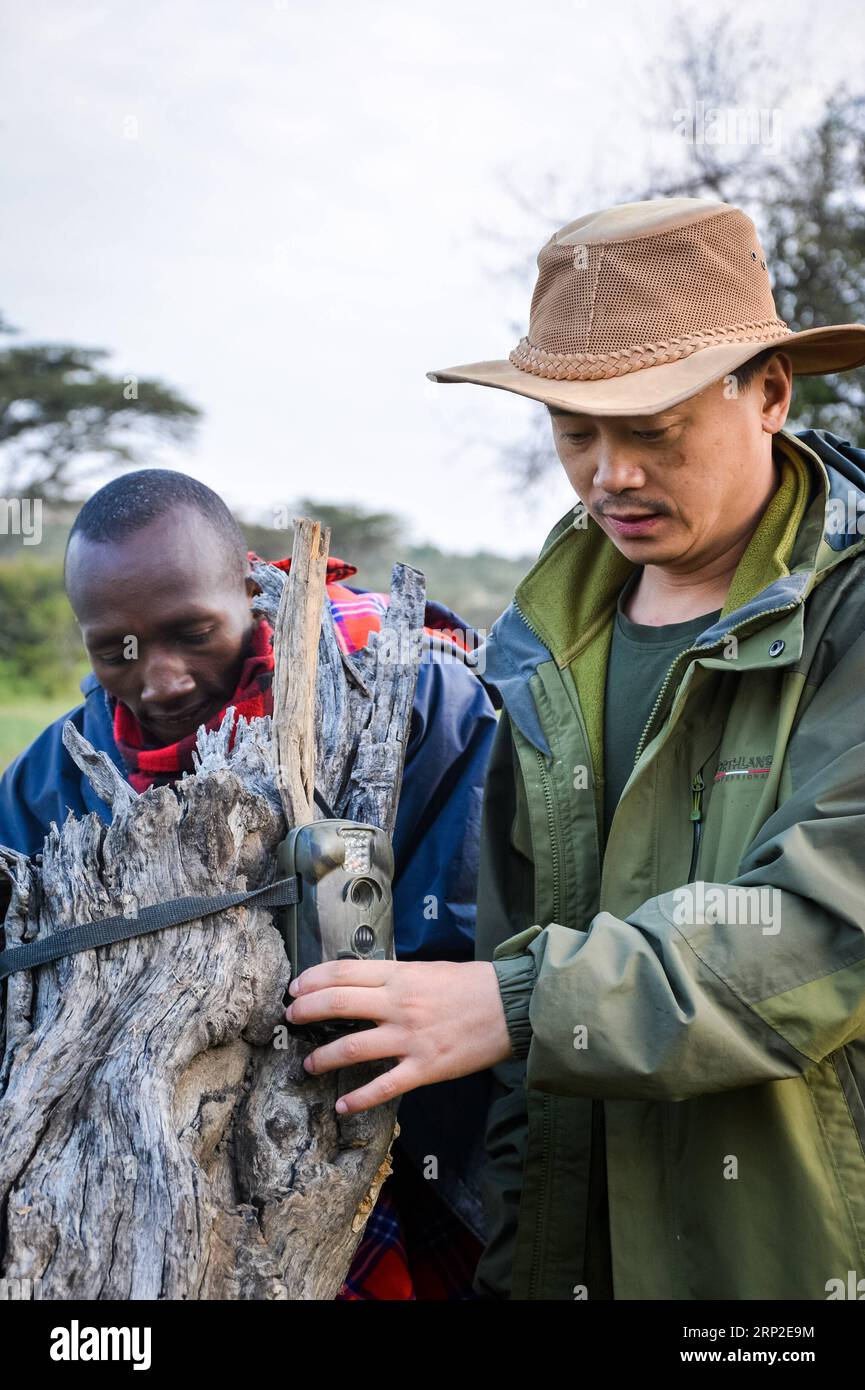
(129, 503)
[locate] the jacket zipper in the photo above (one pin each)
(546, 1117)
(554, 835)
(546, 1150)
(697, 788)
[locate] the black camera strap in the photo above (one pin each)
(283, 893)
(173, 913)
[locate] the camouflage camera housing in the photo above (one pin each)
(345, 909)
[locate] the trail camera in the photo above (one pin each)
(345, 912)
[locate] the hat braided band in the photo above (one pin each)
(599, 366)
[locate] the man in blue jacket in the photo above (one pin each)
(158, 574)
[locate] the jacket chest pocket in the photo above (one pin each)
(742, 777)
(661, 826)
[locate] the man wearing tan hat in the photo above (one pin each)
(670, 982)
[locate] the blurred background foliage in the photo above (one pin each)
(63, 417)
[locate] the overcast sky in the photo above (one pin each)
(279, 207)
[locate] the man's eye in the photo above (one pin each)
(110, 660)
(650, 434)
(196, 637)
(576, 438)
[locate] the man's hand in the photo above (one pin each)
(441, 1019)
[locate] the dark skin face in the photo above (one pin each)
(173, 588)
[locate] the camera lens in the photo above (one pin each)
(361, 892)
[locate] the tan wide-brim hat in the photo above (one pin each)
(640, 306)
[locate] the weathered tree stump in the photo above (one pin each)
(154, 1142)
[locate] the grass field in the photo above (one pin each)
(22, 719)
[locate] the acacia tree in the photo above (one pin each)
(63, 416)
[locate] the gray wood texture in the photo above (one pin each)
(154, 1141)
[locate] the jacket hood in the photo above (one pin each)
(844, 467)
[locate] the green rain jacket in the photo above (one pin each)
(726, 1045)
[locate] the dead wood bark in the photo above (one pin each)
(154, 1143)
(294, 676)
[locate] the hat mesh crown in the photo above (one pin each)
(615, 306)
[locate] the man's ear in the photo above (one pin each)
(777, 390)
(250, 584)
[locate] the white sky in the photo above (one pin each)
(295, 235)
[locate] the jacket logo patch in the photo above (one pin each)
(745, 766)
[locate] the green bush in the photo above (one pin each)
(41, 653)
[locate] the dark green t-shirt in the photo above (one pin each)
(640, 657)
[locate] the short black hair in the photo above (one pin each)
(133, 501)
(745, 374)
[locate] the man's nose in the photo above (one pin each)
(167, 681)
(616, 471)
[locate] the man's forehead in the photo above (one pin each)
(154, 600)
(182, 538)
(158, 561)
